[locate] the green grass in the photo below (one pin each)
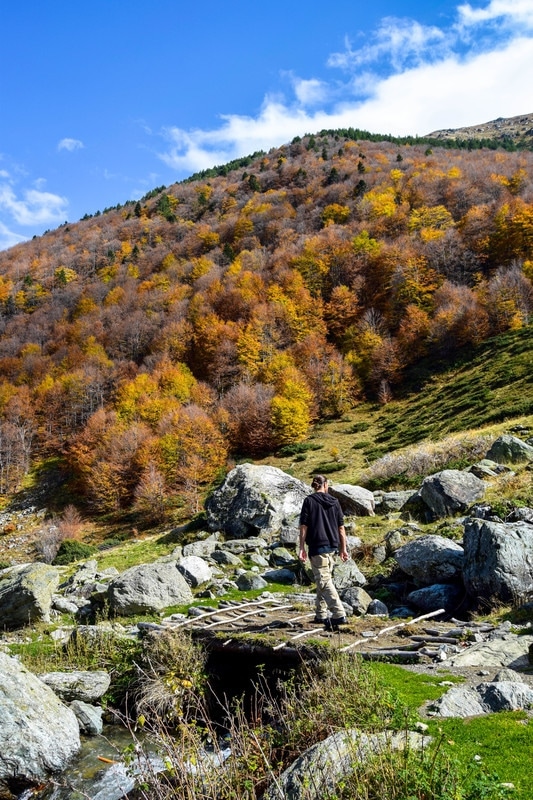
(504, 741)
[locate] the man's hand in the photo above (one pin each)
(302, 555)
(344, 555)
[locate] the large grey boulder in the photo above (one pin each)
(510, 450)
(486, 698)
(38, 734)
(147, 588)
(347, 574)
(431, 559)
(357, 599)
(451, 491)
(354, 500)
(257, 501)
(440, 595)
(498, 559)
(88, 686)
(195, 570)
(508, 650)
(319, 770)
(26, 594)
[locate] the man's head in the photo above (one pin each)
(320, 483)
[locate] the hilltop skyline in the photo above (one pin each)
(104, 104)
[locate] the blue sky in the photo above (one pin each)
(101, 102)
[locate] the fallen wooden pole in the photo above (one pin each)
(392, 628)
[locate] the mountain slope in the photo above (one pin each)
(515, 130)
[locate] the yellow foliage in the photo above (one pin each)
(133, 271)
(335, 214)
(380, 202)
(430, 217)
(200, 266)
(65, 275)
(169, 261)
(208, 237)
(115, 296)
(527, 268)
(363, 243)
(5, 288)
(249, 350)
(96, 352)
(125, 249)
(290, 419)
(86, 305)
(454, 172)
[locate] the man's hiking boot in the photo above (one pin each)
(319, 621)
(332, 624)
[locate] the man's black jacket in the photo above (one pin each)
(322, 515)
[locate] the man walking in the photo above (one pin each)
(322, 529)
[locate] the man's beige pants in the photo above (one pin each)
(327, 596)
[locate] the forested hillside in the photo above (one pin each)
(224, 315)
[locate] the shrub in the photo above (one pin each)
(70, 550)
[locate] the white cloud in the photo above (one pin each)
(400, 41)
(9, 238)
(36, 208)
(310, 92)
(70, 145)
(422, 79)
(513, 13)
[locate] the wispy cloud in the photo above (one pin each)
(70, 145)
(9, 238)
(405, 79)
(35, 207)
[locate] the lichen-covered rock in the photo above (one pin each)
(147, 588)
(38, 733)
(498, 559)
(438, 595)
(346, 574)
(195, 570)
(257, 501)
(431, 559)
(26, 594)
(320, 769)
(87, 686)
(510, 450)
(354, 500)
(451, 491)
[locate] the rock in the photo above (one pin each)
(439, 595)
(147, 588)
(347, 574)
(523, 514)
(89, 717)
(319, 770)
(486, 698)
(87, 686)
(510, 450)
(249, 580)
(379, 553)
(257, 500)
(393, 540)
(226, 559)
(202, 549)
(240, 546)
(38, 734)
(357, 599)
(26, 593)
(281, 557)
(63, 605)
(283, 576)
(451, 492)
(461, 701)
(498, 559)
(393, 501)
(195, 570)
(352, 542)
(431, 559)
(511, 651)
(354, 500)
(377, 608)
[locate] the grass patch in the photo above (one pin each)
(504, 741)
